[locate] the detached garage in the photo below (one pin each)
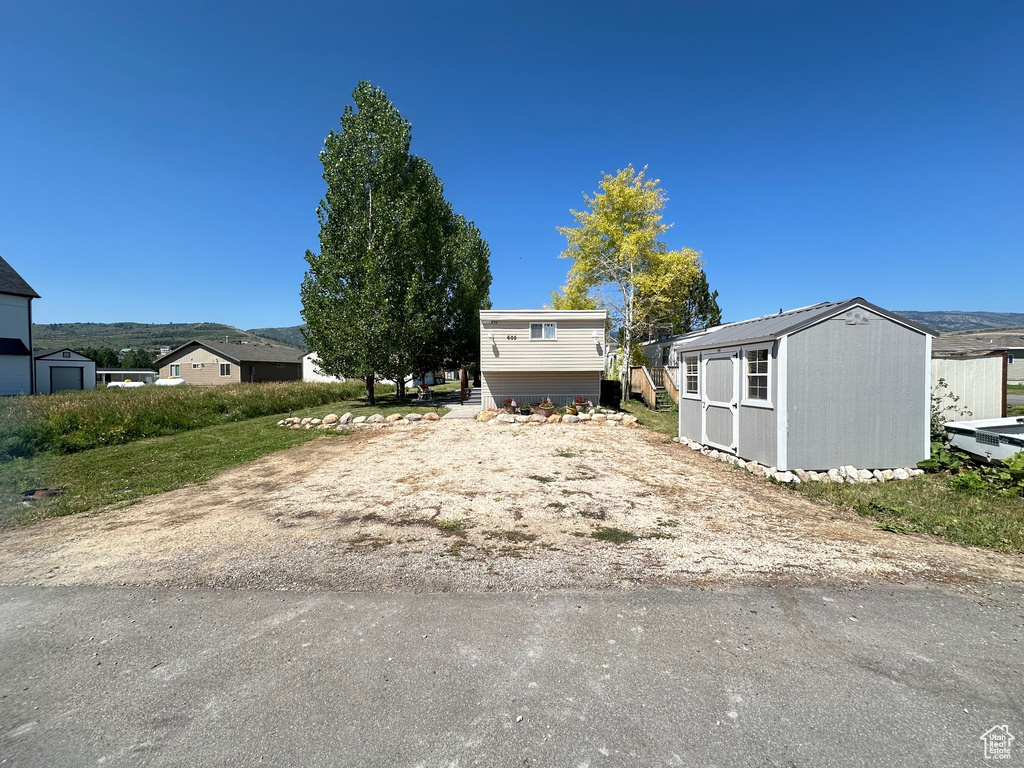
(58, 370)
(833, 384)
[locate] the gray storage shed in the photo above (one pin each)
(833, 384)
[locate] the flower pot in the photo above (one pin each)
(545, 412)
(570, 410)
(525, 411)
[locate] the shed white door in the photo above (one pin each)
(720, 401)
(65, 377)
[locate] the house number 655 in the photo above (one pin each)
(511, 338)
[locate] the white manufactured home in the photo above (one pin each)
(16, 370)
(824, 386)
(530, 354)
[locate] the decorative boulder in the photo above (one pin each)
(375, 419)
(414, 417)
(306, 421)
(345, 418)
(331, 418)
(485, 415)
(537, 419)
(585, 417)
(393, 418)
(599, 417)
(570, 419)
(431, 417)
(358, 419)
(554, 418)
(901, 474)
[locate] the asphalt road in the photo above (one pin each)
(726, 677)
(1015, 399)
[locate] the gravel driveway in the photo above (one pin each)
(461, 506)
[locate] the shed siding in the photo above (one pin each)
(719, 425)
(495, 386)
(1015, 370)
(857, 395)
(574, 349)
(689, 418)
(45, 366)
(311, 369)
(759, 433)
(977, 381)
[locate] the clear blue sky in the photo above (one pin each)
(158, 161)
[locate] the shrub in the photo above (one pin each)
(67, 422)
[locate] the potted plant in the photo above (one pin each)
(508, 405)
(578, 405)
(546, 407)
(525, 410)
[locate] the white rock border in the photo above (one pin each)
(845, 474)
(595, 416)
(347, 421)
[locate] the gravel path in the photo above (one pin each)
(461, 506)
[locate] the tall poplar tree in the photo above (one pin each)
(382, 298)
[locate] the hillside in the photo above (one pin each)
(149, 336)
(948, 321)
(291, 335)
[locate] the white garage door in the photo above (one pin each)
(62, 378)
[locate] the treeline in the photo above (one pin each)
(106, 357)
(400, 278)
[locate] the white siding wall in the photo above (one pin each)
(311, 372)
(574, 349)
(978, 381)
(14, 317)
(15, 370)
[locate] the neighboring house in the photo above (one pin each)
(1011, 342)
(976, 381)
(58, 370)
(530, 354)
(841, 383)
(210, 363)
(106, 375)
(659, 353)
(311, 370)
(16, 369)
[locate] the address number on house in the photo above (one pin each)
(511, 337)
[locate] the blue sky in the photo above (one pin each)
(158, 162)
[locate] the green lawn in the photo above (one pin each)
(122, 474)
(1015, 389)
(931, 504)
(665, 422)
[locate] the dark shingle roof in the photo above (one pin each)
(982, 341)
(13, 283)
(773, 326)
(239, 353)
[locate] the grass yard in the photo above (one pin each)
(1015, 389)
(122, 474)
(931, 504)
(665, 422)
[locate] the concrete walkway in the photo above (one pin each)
(468, 410)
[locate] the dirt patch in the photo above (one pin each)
(461, 506)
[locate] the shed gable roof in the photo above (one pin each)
(239, 353)
(13, 283)
(774, 326)
(39, 354)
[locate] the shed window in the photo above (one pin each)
(757, 374)
(176, 370)
(66, 354)
(690, 373)
(542, 331)
(225, 369)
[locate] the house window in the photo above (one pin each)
(542, 332)
(757, 374)
(690, 374)
(225, 369)
(176, 370)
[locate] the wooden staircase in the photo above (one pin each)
(655, 386)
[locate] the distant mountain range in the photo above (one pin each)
(952, 321)
(152, 336)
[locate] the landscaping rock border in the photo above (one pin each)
(845, 474)
(347, 421)
(596, 416)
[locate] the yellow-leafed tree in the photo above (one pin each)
(619, 263)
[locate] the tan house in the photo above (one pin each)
(209, 363)
(531, 354)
